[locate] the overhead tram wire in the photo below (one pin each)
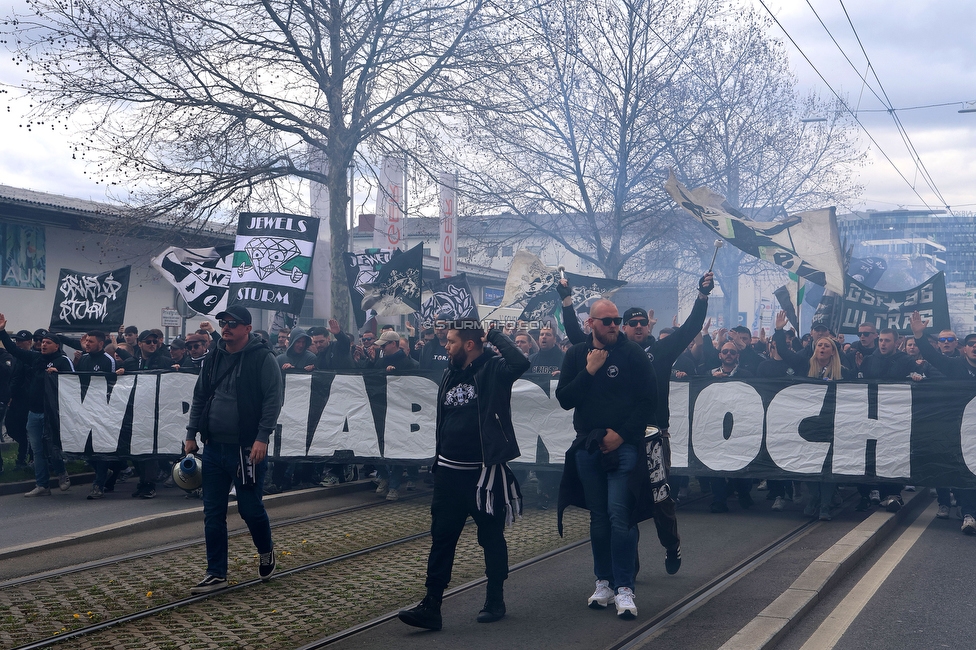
(894, 116)
(843, 103)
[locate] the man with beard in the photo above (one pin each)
(475, 440)
(549, 359)
(434, 355)
(610, 383)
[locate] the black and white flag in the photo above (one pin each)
(397, 289)
(862, 304)
(447, 299)
(806, 243)
(363, 269)
(272, 261)
(528, 278)
(201, 275)
(88, 301)
(586, 289)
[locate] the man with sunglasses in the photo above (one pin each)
(963, 368)
(235, 408)
(865, 346)
(948, 343)
(197, 347)
(610, 383)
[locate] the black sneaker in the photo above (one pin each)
(426, 615)
(493, 611)
(140, 488)
(672, 561)
(149, 492)
(209, 584)
(268, 564)
(892, 503)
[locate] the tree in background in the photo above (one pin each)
(203, 108)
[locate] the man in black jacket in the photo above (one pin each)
(48, 360)
(475, 441)
(95, 361)
(610, 383)
(235, 408)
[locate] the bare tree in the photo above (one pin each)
(204, 108)
(577, 146)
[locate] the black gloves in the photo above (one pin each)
(704, 288)
(564, 292)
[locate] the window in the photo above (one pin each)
(462, 251)
(492, 251)
(507, 251)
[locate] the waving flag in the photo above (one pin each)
(447, 299)
(397, 289)
(201, 275)
(806, 243)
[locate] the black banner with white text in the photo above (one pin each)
(922, 433)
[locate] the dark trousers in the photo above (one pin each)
(666, 522)
(453, 501)
(15, 420)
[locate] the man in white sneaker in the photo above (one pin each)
(235, 408)
(39, 364)
(610, 383)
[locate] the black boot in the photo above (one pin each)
(426, 615)
(494, 608)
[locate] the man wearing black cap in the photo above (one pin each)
(638, 325)
(48, 360)
(235, 408)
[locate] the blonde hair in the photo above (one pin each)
(834, 371)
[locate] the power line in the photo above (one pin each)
(897, 120)
(843, 103)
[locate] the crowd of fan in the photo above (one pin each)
(822, 354)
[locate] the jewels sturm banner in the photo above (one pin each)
(849, 432)
(272, 261)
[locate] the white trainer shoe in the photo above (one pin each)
(625, 603)
(602, 596)
(779, 503)
(969, 525)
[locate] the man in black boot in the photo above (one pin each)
(475, 441)
(494, 607)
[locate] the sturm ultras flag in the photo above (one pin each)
(861, 304)
(362, 269)
(447, 299)
(201, 275)
(88, 301)
(397, 289)
(272, 260)
(805, 243)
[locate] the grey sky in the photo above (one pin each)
(921, 50)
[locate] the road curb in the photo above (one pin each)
(175, 518)
(773, 623)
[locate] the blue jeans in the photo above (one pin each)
(221, 463)
(44, 450)
(608, 498)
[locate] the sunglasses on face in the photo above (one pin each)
(228, 323)
(732, 352)
(970, 344)
(368, 339)
(946, 339)
(610, 320)
(637, 322)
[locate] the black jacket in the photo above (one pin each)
(896, 365)
(98, 362)
(259, 390)
(952, 367)
(37, 367)
(399, 360)
(493, 377)
(338, 356)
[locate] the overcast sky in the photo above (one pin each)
(921, 50)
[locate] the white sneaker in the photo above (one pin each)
(779, 503)
(969, 525)
(625, 603)
(64, 482)
(943, 512)
(39, 491)
(602, 596)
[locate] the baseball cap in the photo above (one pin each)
(145, 334)
(23, 335)
(178, 344)
(819, 327)
(634, 312)
(236, 312)
(388, 336)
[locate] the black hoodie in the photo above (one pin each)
(37, 366)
